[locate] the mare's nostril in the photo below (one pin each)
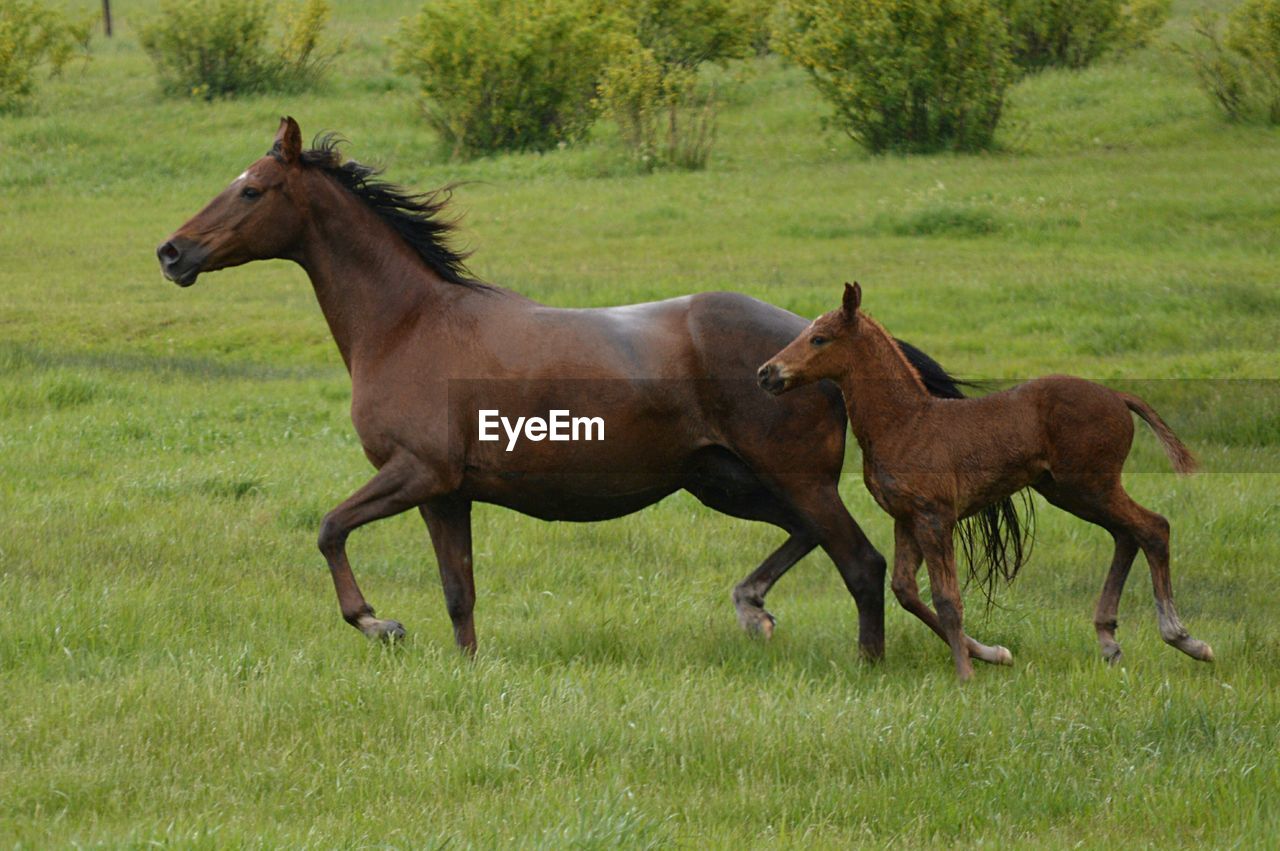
(168, 253)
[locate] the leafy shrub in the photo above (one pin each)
(32, 35)
(904, 75)
(1074, 33)
(1241, 71)
(221, 48)
(650, 87)
(505, 74)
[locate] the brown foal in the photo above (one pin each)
(931, 462)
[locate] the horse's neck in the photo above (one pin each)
(883, 392)
(368, 280)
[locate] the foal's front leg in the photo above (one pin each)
(934, 537)
(906, 563)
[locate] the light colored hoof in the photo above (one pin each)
(385, 630)
(757, 621)
(1002, 655)
(1196, 649)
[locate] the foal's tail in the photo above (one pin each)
(1179, 455)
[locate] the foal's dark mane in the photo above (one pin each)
(416, 217)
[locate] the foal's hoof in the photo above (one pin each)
(1195, 649)
(1111, 654)
(1002, 656)
(757, 621)
(389, 631)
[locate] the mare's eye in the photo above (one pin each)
(818, 340)
(250, 193)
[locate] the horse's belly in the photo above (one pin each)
(569, 496)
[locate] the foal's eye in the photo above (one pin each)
(250, 193)
(818, 340)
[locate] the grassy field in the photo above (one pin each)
(172, 661)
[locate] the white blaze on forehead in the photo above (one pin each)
(242, 176)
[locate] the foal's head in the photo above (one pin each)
(821, 350)
(258, 217)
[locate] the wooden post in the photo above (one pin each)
(106, 16)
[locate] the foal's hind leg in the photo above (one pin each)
(906, 563)
(1152, 533)
(1104, 616)
(1133, 526)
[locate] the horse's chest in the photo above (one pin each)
(387, 422)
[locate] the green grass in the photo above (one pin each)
(173, 664)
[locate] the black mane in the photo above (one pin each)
(416, 217)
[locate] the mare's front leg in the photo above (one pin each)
(934, 537)
(399, 485)
(449, 522)
(906, 563)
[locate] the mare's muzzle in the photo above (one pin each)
(181, 260)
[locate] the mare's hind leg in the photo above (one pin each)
(398, 486)
(906, 563)
(861, 566)
(811, 511)
(748, 595)
(725, 482)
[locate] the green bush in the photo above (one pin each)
(1075, 33)
(904, 75)
(1241, 71)
(661, 115)
(221, 48)
(32, 36)
(505, 74)
(650, 86)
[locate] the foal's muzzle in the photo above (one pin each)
(771, 378)
(181, 260)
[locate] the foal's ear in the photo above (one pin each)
(852, 299)
(288, 144)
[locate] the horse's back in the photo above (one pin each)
(732, 335)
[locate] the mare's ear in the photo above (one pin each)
(288, 145)
(852, 299)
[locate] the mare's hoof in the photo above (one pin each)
(1002, 655)
(757, 621)
(1111, 653)
(389, 631)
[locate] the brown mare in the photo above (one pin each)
(427, 346)
(929, 462)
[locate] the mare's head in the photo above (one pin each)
(258, 217)
(821, 350)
